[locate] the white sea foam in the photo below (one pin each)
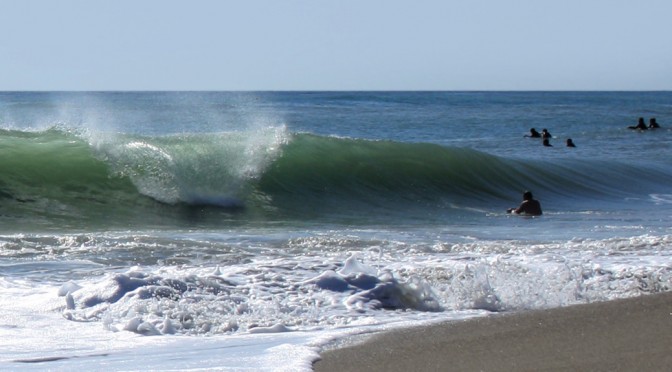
(273, 305)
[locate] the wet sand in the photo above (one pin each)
(623, 335)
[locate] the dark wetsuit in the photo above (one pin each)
(533, 134)
(640, 125)
(653, 124)
(529, 207)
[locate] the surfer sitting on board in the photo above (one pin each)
(529, 206)
(533, 134)
(653, 124)
(640, 125)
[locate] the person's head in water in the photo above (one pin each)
(547, 143)
(570, 143)
(527, 195)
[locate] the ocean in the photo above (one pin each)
(249, 230)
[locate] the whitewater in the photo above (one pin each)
(250, 230)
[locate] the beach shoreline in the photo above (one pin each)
(627, 334)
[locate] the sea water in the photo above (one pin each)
(248, 230)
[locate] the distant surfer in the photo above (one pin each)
(653, 124)
(533, 134)
(547, 143)
(545, 133)
(640, 125)
(570, 143)
(529, 206)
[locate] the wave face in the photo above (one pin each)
(341, 174)
(60, 179)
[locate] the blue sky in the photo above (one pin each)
(335, 45)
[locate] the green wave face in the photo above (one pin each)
(57, 179)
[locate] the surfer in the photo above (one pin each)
(570, 143)
(640, 125)
(547, 143)
(529, 206)
(545, 133)
(653, 124)
(533, 134)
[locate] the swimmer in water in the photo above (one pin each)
(570, 143)
(529, 206)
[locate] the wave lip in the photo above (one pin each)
(193, 168)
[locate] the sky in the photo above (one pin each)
(237, 45)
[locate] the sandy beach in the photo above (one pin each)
(624, 335)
